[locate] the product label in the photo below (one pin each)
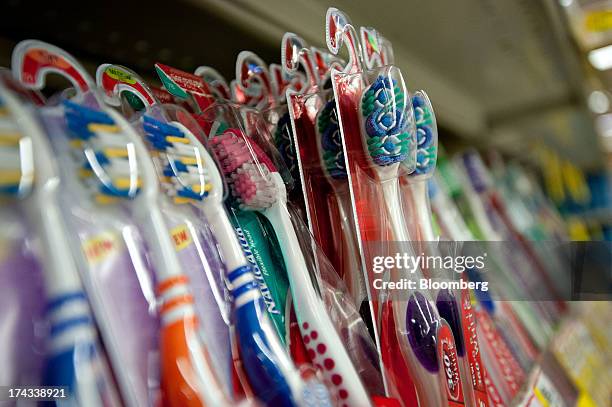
(546, 393)
(504, 360)
(183, 84)
(495, 399)
(162, 95)
(263, 287)
(100, 247)
(473, 350)
(447, 354)
(181, 237)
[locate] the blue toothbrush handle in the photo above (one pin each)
(74, 360)
(264, 372)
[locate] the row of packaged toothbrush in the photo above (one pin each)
(208, 243)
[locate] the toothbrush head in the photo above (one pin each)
(426, 134)
(283, 139)
(383, 107)
(16, 157)
(186, 172)
(110, 167)
(330, 142)
(251, 184)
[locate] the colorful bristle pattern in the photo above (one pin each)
(331, 141)
(109, 165)
(386, 122)
(426, 134)
(283, 138)
(16, 161)
(179, 163)
(250, 183)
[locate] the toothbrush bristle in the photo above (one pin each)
(386, 122)
(181, 168)
(425, 133)
(16, 161)
(331, 143)
(250, 184)
(109, 159)
(283, 138)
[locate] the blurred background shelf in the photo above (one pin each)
(500, 73)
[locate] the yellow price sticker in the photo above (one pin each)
(181, 237)
(598, 21)
(100, 247)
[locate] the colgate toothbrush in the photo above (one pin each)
(255, 185)
(190, 177)
(74, 357)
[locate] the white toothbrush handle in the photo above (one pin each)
(224, 232)
(422, 210)
(392, 200)
(323, 343)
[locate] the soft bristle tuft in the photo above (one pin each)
(386, 122)
(251, 185)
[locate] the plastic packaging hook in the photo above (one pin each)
(338, 29)
(295, 51)
(252, 69)
(32, 60)
(114, 79)
(215, 80)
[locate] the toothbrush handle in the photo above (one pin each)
(392, 199)
(255, 335)
(265, 362)
(186, 375)
(75, 359)
(324, 346)
(422, 211)
(352, 270)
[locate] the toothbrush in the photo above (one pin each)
(271, 374)
(331, 155)
(189, 175)
(74, 359)
(453, 306)
(416, 182)
(387, 131)
(259, 187)
(116, 167)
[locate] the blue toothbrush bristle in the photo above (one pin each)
(159, 136)
(331, 141)
(87, 125)
(386, 122)
(426, 136)
(15, 180)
